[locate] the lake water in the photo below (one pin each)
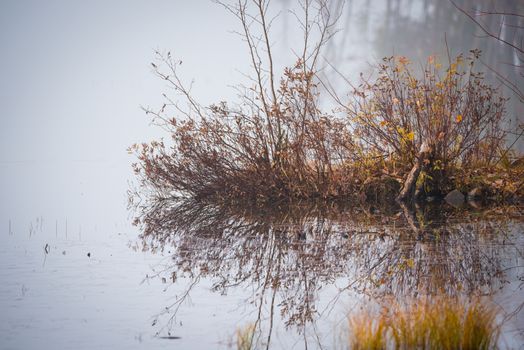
(76, 274)
(191, 274)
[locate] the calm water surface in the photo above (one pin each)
(76, 274)
(191, 274)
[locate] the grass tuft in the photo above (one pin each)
(245, 337)
(441, 323)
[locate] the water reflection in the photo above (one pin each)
(287, 255)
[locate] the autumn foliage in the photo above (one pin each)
(287, 149)
(454, 111)
(276, 142)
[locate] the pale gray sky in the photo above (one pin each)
(75, 72)
(74, 75)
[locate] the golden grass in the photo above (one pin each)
(245, 337)
(441, 323)
(367, 333)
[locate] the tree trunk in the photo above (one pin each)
(408, 189)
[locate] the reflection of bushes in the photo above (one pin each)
(277, 141)
(295, 252)
(439, 323)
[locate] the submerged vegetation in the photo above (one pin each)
(439, 323)
(400, 135)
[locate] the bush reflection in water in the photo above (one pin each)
(287, 254)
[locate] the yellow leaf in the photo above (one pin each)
(411, 136)
(410, 263)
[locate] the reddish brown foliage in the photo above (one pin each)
(277, 143)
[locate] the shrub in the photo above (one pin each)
(277, 143)
(288, 149)
(457, 115)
